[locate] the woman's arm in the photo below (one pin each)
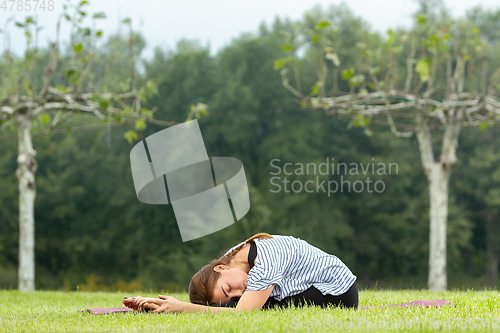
(253, 299)
(250, 300)
(172, 305)
(190, 307)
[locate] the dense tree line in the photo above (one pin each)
(89, 222)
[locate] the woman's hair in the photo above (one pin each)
(201, 287)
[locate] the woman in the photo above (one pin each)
(262, 272)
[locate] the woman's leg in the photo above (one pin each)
(313, 296)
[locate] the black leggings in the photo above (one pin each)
(311, 296)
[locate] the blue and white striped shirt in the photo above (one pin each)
(292, 265)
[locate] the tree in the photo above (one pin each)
(452, 82)
(26, 98)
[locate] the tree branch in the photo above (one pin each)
(7, 110)
(133, 83)
(61, 130)
(448, 158)
(395, 131)
(495, 79)
(284, 81)
(409, 62)
(50, 69)
(425, 143)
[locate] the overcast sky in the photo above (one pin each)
(217, 22)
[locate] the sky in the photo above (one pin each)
(214, 23)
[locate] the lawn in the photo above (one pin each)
(47, 311)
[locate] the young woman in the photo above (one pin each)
(262, 272)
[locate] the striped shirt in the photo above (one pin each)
(292, 265)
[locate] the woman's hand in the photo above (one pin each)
(163, 304)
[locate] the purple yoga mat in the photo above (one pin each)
(427, 304)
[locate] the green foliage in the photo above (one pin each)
(151, 88)
(100, 15)
(197, 111)
(130, 136)
(278, 64)
(70, 73)
(315, 88)
(421, 19)
(356, 80)
(322, 25)
(361, 121)
(391, 35)
(348, 73)
(27, 88)
(77, 48)
(281, 62)
(140, 125)
(124, 85)
(45, 118)
(423, 68)
(147, 113)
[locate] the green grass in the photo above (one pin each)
(47, 311)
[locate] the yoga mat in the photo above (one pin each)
(427, 304)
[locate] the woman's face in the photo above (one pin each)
(232, 283)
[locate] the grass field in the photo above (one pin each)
(46, 311)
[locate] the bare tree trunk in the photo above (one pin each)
(438, 193)
(438, 175)
(26, 168)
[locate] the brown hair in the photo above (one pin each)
(201, 287)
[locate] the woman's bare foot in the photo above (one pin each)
(133, 303)
(130, 302)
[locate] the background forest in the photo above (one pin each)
(92, 232)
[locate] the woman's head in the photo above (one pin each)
(201, 287)
(230, 285)
(221, 280)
